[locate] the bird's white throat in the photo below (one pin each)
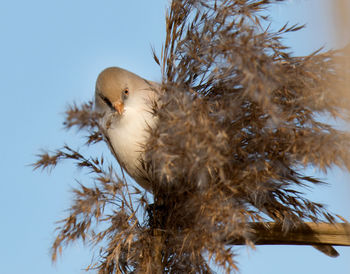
(129, 133)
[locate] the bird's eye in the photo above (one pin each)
(126, 92)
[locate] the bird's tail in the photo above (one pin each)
(322, 236)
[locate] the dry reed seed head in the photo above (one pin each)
(272, 128)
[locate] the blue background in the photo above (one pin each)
(50, 55)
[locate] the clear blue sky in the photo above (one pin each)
(50, 55)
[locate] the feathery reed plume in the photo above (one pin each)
(341, 12)
(238, 123)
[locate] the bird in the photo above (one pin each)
(124, 102)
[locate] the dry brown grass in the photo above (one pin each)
(239, 121)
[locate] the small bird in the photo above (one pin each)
(124, 100)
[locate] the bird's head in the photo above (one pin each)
(114, 88)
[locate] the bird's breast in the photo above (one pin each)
(128, 135)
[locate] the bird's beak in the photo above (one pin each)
(119, 107)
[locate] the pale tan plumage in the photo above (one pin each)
(125, 101)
